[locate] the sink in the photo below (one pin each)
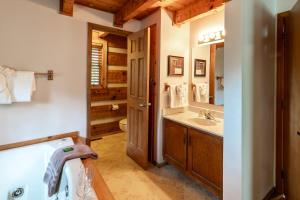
(203, 122)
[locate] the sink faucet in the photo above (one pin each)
(209, 115)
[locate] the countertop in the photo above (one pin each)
(187, 118)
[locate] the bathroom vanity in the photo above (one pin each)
(195, 146)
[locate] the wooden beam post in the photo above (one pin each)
(195, 9)
(66, 7)
(131, 9)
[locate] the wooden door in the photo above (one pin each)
(292, 133)
(205, 159)
(138, 96)
(175, 144)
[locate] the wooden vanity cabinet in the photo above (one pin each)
(205, 158)
(175, 144)
(197, 153)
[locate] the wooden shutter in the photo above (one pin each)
(98, 65)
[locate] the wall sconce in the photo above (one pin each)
(211, 38)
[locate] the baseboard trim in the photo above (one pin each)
(270, 194)
(159, 165)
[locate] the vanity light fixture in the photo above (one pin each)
(212, 37)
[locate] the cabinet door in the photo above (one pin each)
(175, 144)
(205, 158)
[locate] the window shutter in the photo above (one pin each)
(97, 64)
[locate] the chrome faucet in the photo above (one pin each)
(208, 115)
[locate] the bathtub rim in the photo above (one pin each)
(74, 135)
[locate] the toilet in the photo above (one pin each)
(123, 125)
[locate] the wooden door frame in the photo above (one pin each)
(212, 70)
(281, 100)
(90, 28)
(155, 74)
(153, 95)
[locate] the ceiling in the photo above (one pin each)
(125, 10)
(111, 6)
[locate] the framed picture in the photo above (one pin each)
(175, 66)
(200, 68)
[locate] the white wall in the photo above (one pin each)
(232, 156)
(285, 5)
(33, 36)
(249, 99)
(173, 40)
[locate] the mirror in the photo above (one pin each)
(208, 74)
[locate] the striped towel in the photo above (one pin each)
(59, 157)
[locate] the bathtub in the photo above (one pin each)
(22, 170)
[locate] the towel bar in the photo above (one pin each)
(49, 74)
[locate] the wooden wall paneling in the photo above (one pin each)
(117, 76)
(116, 59)
(116, 41)
(115, 88)
(108, 94)
(102, 129)
(105, 111)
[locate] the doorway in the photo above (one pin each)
(107, 85)
(288, 107)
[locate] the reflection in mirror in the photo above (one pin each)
(208, 74)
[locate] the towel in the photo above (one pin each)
(201, 93)
(23, 86)
(6, 76)
(178, 95)
(57, 161)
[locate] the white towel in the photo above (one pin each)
(5, 96)
(23, 85)
(178, 96)
(6, 75)
(201, 93)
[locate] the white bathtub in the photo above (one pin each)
(24, 167)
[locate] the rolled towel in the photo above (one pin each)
(59, 157)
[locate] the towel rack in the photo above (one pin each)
(167, 86)
(49, 74)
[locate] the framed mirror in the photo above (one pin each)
(208, 74)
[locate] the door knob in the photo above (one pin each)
(298, 133)
(143, 105)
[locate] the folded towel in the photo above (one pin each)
(57, 161)
(23, 85)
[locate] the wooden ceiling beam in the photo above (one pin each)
(131, 9)
(195, 9)
(66, 7)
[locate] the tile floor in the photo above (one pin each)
(128, 181)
